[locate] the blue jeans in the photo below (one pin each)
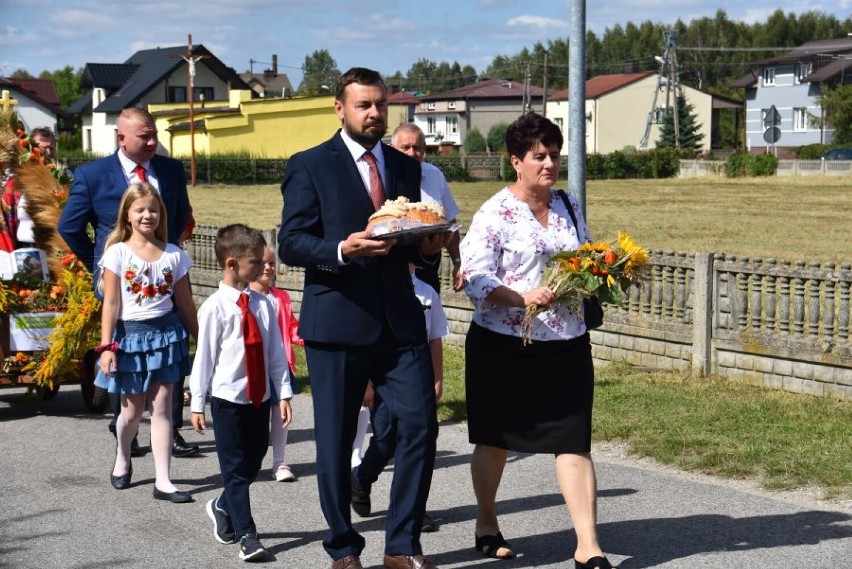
(242, 436)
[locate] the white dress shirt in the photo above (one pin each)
(220, 362)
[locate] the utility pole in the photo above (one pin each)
(544, 94)
(668, 78)
(190, 80)
(577, 103)
(526, 105)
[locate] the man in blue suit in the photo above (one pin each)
(96, 195)
(360, 318)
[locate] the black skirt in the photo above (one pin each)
(535, 398)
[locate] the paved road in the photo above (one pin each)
(57, 509)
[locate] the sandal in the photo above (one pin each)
(488, 545)
(596, 562)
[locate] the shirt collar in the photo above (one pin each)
(232, 293)
(357, 151)
(128, 165)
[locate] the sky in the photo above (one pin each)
(386, 35)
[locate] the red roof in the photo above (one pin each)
(603, 85)
(487, 89)
(41, 90)
(402, 98)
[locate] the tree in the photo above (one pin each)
(688, 127)
(837, 112)
(474, 141)
(66, 81)
(497, 137)
(320, 73)
(21, 74)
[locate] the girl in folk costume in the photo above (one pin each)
(144, 341)
(289, 325)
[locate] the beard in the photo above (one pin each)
(367, 138)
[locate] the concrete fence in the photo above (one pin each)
(700, 168)
(778, 324)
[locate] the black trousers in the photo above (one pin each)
(242, 436)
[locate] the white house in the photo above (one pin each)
(38, 104)
(157, 75)
(791, 83)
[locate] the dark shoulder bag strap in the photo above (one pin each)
(592, 309)
(570, 209)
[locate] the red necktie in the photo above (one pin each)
(377, 188)
(255, 367)
(141, 173)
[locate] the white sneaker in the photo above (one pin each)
(283, 473)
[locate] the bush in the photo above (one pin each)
(474, 141)
(596, 166)
(763, 165)
(509, 173)
(812, 151)
(497, 137)
(741, 164)
(619, 166)
(664, 162)
(736, 165)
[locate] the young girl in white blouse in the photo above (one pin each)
(144, 341)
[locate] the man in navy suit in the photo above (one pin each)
(96, 195)
(360, 318)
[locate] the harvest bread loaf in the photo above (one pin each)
(400, 214)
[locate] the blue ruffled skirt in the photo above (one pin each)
(148, 350)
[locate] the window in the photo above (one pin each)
(768, 76)
(177, 94)
(802, 71)
(451, 105)
(430, 106)
(430, 125)
(800, 119)
(453, 125)
(202, 94)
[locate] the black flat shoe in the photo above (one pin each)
(121, 482)
(176, 497)
(596, 562)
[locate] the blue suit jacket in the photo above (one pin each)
(324, 202)
(96, 195)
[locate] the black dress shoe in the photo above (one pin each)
(121, 482)
(176, 497)
(181, 449)
(360, 498)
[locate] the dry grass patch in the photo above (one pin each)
(784, 218)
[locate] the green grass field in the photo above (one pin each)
(784, 218)
(711, 425)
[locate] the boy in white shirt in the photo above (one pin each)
(245, 377)
(382, 444)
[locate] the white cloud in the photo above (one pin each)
(537, 22)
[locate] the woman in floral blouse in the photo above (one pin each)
(504, 255)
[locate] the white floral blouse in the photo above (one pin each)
(506, 246)
(146, 287)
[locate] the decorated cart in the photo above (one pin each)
(48, 311)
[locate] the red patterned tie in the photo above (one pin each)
(255, 367)
(377, 188)
(141, 173)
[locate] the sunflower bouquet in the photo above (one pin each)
(604, 269)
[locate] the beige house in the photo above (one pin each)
(617, 108)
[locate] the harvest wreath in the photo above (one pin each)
(68, 292)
